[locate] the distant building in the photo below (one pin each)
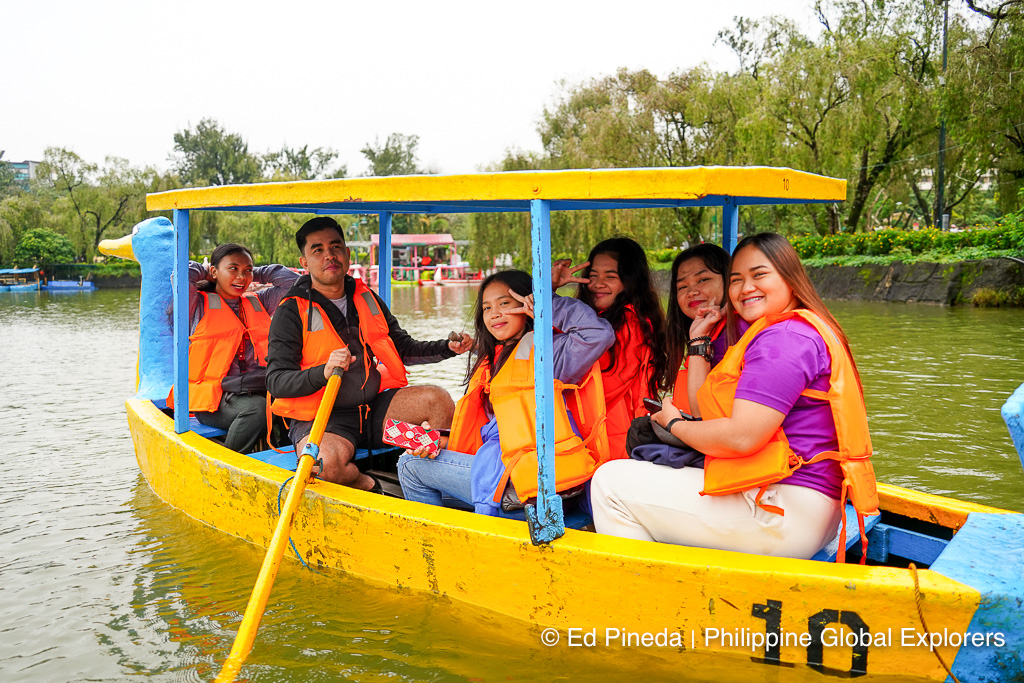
(24, 171)
(926, 183)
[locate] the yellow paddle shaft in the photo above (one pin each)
(268, 572)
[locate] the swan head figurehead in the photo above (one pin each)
(151, 244)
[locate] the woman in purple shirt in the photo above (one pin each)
(642, 500)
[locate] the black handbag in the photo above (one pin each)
(510, 500)
(647, 440)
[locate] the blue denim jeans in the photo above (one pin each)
(430, 480)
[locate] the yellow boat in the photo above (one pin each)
(697, 609)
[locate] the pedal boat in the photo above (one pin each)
(815, 618)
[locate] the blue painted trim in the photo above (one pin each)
(384, 260)
(1012, 410)
(986, 555)
(730, 226)
(510, 205)
(180, 302)
(546, 522)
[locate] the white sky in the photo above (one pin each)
(120, 77)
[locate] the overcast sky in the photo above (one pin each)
(118, 78)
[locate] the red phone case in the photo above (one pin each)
(410, 436)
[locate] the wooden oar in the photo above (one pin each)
(268, 572)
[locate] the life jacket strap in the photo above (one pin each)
(764, 506)
(847, 485)
(841, 550)
(503, 482)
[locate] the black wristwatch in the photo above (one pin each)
(703, 350)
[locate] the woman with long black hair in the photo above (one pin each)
(619, 286)
(228, 328)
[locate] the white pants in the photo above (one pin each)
(638, 499)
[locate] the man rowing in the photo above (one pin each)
(330, 320)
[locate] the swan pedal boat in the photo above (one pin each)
(815, 619)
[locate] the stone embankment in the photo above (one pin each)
(932, 283)
(118, 282)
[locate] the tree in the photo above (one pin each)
(43, 247)
(397, 156)
(209, 155)
(98, 199)
(8, 184)
(997, 57)
(18, 214)
(302, 164)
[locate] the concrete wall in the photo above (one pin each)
(123, 282)
(934, 283)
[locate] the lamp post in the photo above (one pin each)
(940, 200)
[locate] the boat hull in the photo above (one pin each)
(692, 597)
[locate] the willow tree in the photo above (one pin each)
(631, 119)
(93, 202)
(852, 102)
(996, 70)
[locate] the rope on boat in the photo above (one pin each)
(280, 491)
(920, 614)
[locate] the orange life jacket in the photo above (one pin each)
(214, 345)
(322, 339)
(775, 460)
(680, 394)
(512, 399)
(628, 404)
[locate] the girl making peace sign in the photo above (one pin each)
(492, 444)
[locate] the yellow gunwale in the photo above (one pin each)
(597, 184)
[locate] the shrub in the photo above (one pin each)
(986, 297)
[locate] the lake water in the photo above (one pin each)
(101, 581)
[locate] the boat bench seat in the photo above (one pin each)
(828, 553)
(885, 540)
(286, 459)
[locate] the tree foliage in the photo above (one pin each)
(861, 99)
(99, 201)
(40, 246)
(397, 156)
(303, 164)
(209, 155)
(8, 184)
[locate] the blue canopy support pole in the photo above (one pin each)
(730, 225)
(179, 297)
(546, 521)
(384, 262)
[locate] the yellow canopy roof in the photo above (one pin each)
(513, 191)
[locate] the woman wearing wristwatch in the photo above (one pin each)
(772, 477)
(698, 279)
